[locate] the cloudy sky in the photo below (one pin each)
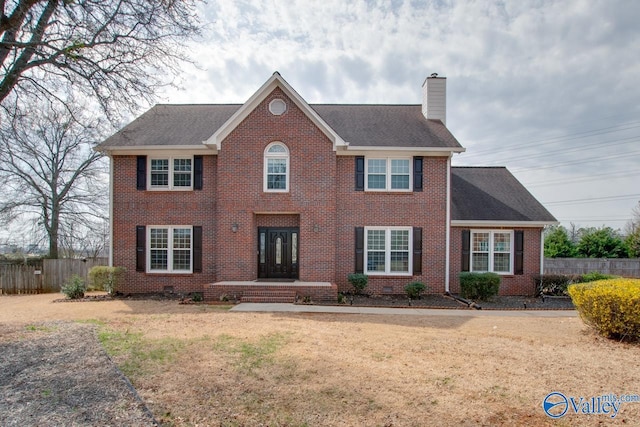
(550, 89)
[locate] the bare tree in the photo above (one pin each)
(634, 223)
(116, 53)
(50, 171)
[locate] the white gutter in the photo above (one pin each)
(502, 224)
(447, 243)
(110, 211)
(425, 150)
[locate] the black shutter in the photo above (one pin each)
(197, 172)
(359, 173)
(141, 173)
(141, 246)
(519, 252)
(466, 249)
(417, 250)
(359, 250)
(417, 173)
(197, 249)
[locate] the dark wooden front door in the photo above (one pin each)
(278, 253)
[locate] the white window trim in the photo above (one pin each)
(169, 269)
(388, 188)
(387, 252)
(280, 156)
(171, 186)
(492, 252)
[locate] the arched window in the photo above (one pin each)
(276, 168)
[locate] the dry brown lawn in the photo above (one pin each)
(200, 365)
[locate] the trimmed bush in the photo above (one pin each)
(103, 278)
(358, 281)
(414, 289)
(611, 307)
(479, 286)
(74, 288)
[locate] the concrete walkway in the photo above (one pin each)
(301, 308)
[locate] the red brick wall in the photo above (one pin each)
(241, 198)
(511, 284)
(132, 207)
(322, 202)
(426, 209)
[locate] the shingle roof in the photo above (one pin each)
(492, 194)
(359, 125)
(385, 126)
(172, 125)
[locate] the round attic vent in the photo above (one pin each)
(277, 107)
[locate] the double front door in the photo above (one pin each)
(278, 253)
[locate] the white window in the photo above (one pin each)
(388, 250)
(276, 168)
(492, 250)
(173, 173)
(388, 174)
(170, 249)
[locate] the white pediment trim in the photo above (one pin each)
(274, 82)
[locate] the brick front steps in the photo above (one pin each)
(267, 292)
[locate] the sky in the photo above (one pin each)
(549, 89)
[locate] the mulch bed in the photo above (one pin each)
(442, 301)
(426, 301)
(58, 374)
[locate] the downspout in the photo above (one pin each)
(110, 211)
(447, 243)
(542, 251)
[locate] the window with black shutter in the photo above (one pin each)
(141, 173)
(359, 173)
(141, 248)
(417, 174)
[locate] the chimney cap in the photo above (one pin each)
(434, 75)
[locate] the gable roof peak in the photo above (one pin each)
(275, 81)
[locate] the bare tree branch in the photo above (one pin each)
(118, 53)
(51, 171)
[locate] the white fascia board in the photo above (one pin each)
(502, 224)
(274, 81)
(164, 149)
(351, 150)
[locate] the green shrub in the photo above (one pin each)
(197, 297)
(593, 276)
(74, 288)
(479, 286)
(358, 281)
(414, 289)
(611, 307)
(103, 278)
(551, 284)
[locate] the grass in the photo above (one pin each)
(196, 365)
(260, 369)
(138, 355)
(251, 356)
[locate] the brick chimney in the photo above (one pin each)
(434, 98)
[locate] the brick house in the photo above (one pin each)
(278, 196)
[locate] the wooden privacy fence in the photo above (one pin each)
(22, 279)
(625, 267)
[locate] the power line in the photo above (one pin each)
(600, 144)
(594, 199)
(568, 137)
(581, 179)
(577, 162)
